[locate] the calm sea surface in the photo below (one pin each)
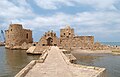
(111, 43)
(109, 61)
(12, 61)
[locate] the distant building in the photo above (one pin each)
(68, 39)
(49, 39)
(16, 36)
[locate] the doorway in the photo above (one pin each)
(49, 41)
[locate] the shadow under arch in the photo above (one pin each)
(49, 41)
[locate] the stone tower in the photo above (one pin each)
(68, 39)
(16, 35)
(66, 32)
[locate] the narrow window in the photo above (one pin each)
(27, 35)
(55, 44)
(43, 44)
(54, 34)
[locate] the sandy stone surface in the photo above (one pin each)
(55, 66)
(31, 49)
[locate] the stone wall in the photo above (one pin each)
(49, 39)
(68, 39)
(16, 35)
(67, 32)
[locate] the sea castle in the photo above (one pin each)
(16, 36)
(56, 59)
(19, 38)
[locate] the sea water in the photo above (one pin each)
(109, 61)
(12, 61)
(111, 43)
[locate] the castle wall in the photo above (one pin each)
(16, 35)
(68, 39)
(49, 39)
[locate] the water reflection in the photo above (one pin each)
(15, 57)
(12, 61)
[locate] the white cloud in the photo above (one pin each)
(97, 4)
(96, 21)
(85, 22)
(9, 11)
(99, 20)
(53, 4)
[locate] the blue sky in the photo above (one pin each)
(100, 18)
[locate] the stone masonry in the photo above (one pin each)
(48, 39)
(19, 38)
(16, 36)
(68, 39)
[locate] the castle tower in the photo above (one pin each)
(16, 35)
(67, 32)
(68, 39)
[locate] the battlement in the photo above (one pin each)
(50, 34)
(49, 39)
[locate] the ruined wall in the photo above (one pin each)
(68, 39)
(99, 46)
(49, 39)
(16, 35)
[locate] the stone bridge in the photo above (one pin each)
(54, 63)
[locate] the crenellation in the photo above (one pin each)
(49, 39)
